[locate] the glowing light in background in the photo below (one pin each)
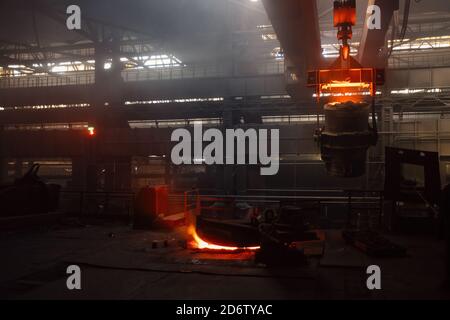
(91, 131)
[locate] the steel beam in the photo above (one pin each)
(372, 42)
(297, 27)
(62, 49)
(139, 90)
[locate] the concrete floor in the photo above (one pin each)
(119, 263)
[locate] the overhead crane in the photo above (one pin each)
(345, 87)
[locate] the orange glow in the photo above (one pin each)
(359, 81)
(345, 84)
(345, 52)
(345, 98)
(199, 243)
(344, 15)
(91, 131)
(345, 77)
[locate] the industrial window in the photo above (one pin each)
(413, 175)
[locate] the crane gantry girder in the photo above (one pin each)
(296, 24)
(370, 53)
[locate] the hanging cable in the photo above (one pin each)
(404, 28)
(405, 20)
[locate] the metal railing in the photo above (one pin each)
(338, 208)
(341, 208)
(147, 74)
(421, 60)
(34, 81)
(97, 204)
(118, 204)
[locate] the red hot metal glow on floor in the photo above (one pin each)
(199, 243)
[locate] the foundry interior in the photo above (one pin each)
(354, 93)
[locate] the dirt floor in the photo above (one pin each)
(119, 263)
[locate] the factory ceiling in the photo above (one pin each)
(194, 30)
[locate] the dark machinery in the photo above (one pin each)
(29, 195)
(274, 235)
(347, 135)
(413, 185)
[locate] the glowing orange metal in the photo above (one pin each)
(345, 76)
(351, 81)
(345, 52)
(344, 84)
(344, 15)
(199, 243)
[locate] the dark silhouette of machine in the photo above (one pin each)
(29, 195)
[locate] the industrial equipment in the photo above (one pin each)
(373, 244)
(29, 195)
(413, 186)
(347, 135)
(150, 203)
